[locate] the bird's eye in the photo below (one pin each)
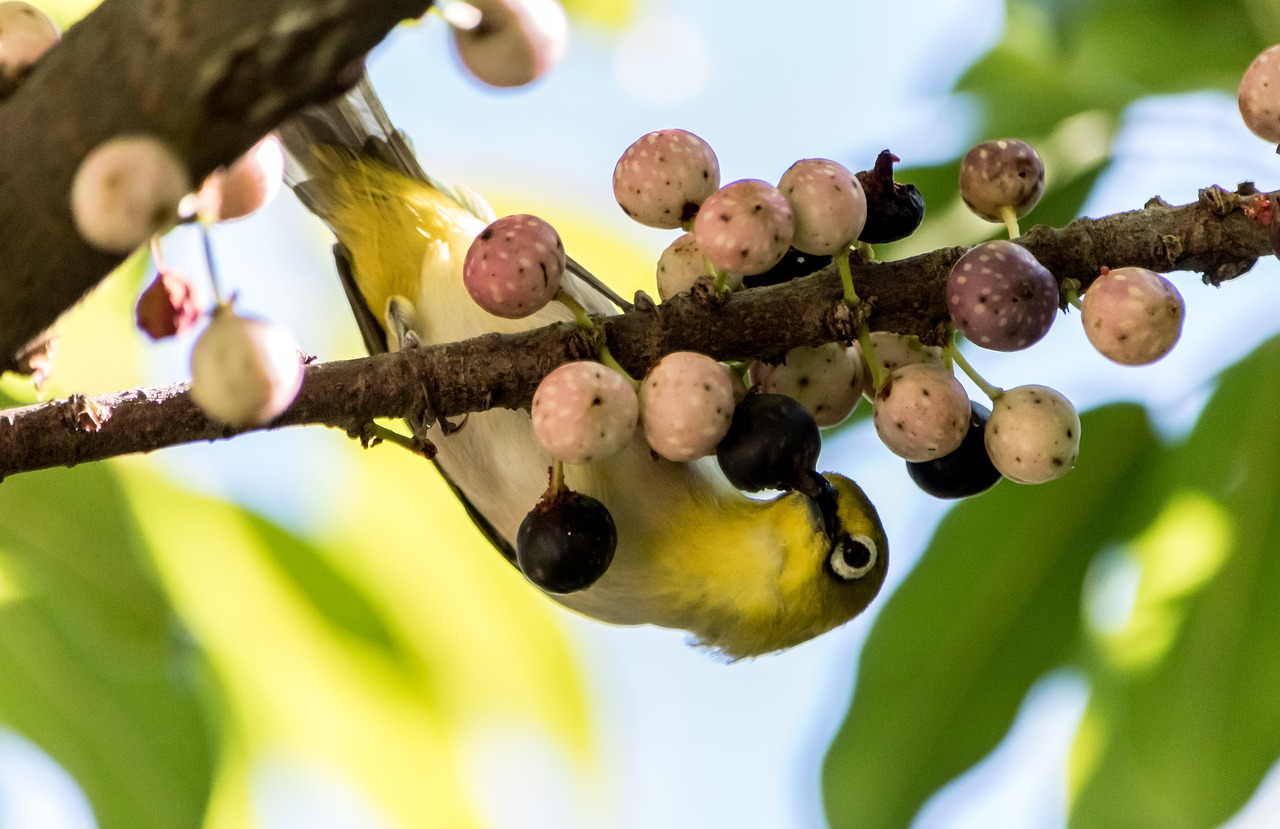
(852, 557)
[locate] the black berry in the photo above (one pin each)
(566, 542)
(894, 210)
(772, 443)
(966, 471)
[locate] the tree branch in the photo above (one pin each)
(1213, 236)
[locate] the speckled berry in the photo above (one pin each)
(1133, 316)
(1000, 297)
(922, 412)
(772, 443)
(663, 177)
(515, 42)
(1259, 95)
(566, 542)
(995, 175)
(244, 371)
(513, 268)
(965, 472)
(745, 227)
(686, 403)
(682, 265)
(127, 189)
(246, 185)
(828, 203)
(826, 380)
(1033, 434)
(26, 33)
(895, 351)
(584, 412)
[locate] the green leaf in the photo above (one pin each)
(95, 670)
(1183, 723)
(992, 605)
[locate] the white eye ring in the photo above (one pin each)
(847, 570)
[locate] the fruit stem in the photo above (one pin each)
(1010, 221)
(214, 282)
(879, 374)
(557, 479)
(580, 315)
(607, 358)
(157, 255)
(846, 279)
(722, 282)
(1071, 290)
(382, 433)
(952, 351)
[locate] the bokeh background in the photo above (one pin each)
(308, 634)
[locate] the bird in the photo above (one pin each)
(743, 576)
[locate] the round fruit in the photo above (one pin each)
(566, 542)
(516, 41)
(772, 443)
(686, 402)
(966, 471)
(895, 351)
(1259, 95)
(1133, 316)
(922, 412)
(248, 184)
(244, 371)
(1000, 297)
(680, 266)
(127, 189)
(999, 174)
(168, 305)
(1033, 434)
(513, 268)
(745, 227)
(826, 380)
(583, 412)
(663, 177)
(828, 203)
(793, 265)
(894, 210)
(26, 33)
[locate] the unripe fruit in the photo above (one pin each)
(26, 33)
(664, 176)
(826, 380)
(584, 412)
(168, 305)
(247, 185)
(566, 542)
(921, 413)
(680, 266)
(745, 227)
(127, 189)
(1000, 297)
(828, 203)
(513, 268)
(516, 41)
(966, 471)
(894, 210)
(772, 443)
(1033, 434)
(999, 174)
(244, 371)
(895, 351)
(1133, 316)
(686, 402)
(1259, 95)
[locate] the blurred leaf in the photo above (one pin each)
(1183, 735)
(992, 605)
(94, 668)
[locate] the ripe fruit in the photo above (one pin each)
(894, 210)
(966, 471)
(126, 189)
(828, 203)
(515, 41)
(1033, 434)
(26, 33)
(826, 380)
(745, 227)
(244, 371)
(1259, 95)
(793, 265)
(566, 542)
(249, 183)
(664, 176)
(686, 402)
(996, 176)
(1000, 297)
(168, 305)
(513, 268)
(583, 412)
(772, 443)
(921, 413)
(1132, 315)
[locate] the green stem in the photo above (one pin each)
(722, 282)
(386, 435)
(607, 358)
(557, 478)
(952, 350)
(879, 374)
(1010, 221)
(580, 315)
(1071, 290)
(846, 279)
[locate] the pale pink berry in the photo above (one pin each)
(745, 227)
(663, 177)
(895, 351)
(248, 184)
(827, 380)
(1001, 297)
(515, 42)
(828, 203)
(244, 371)
(686, 405)
(1132, 316)
(921, 413)
(1033, 434)
(995, 175)
(26, 33)
(680, 266)
(168, 305)
(513, 268)
(127, 189)
(584, 412)
(1259, 95)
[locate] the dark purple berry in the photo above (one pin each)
(566, 542)
(1275, 226)
(966, 471)
(772, 443)
(794, 265)
(1001, 297)
(894, 210)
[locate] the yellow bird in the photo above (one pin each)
(743, 576)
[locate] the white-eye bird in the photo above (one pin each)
(743, 576)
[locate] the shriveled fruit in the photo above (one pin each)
(1033, 434)
(244, 371)
(126, 189)
(999, 175)
(584, 412)
(566, 542)
(921, 413)
(1000, 297)
(964, 472)
(827, 380)
(686, 402)
(1259, 95)
(772, 443)
(168, 305)
(1132, 316)
(663, 178)
(745, 227)
(513, 268)
(516, 41)
(828, 203)
(26, 33)
(894, 210)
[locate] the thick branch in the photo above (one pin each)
(209, 77)
(1213, 236)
